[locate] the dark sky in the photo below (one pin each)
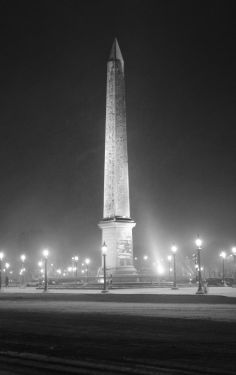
(180, 64)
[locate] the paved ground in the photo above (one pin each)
(145, 331)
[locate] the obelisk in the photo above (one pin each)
(116, 224)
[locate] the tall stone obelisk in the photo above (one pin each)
(116, 225)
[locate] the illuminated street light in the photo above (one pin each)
(174, 251)
(45, 255)
(223, 256)
(104, 253)
(76, 258)
(87, 262)
(58, 271)
(22, 257)
(234, 255)
(1, 258)
(145, 257)
(73, 265)
(198, 243)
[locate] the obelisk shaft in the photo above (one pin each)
(117, 225)
(116, 178)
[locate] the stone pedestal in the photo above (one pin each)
(117, 234)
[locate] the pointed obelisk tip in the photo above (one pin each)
(115, 53)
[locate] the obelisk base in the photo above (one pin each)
(117, 234)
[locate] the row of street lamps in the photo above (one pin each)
(75, 260)
(174, 249)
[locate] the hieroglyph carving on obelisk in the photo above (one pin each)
(116, 224)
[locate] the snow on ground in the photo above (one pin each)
(217, 291)
(169, 309)
(217, 312)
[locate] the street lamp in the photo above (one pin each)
(73, 265)
(104, 253)
(58, 271)
(45, 255)
(87, 262)
(234, 255)
(223, 256)
(174, 250)
(198, 243)
(1, 258)
(169, 258)
(76, 258)
(22, 257)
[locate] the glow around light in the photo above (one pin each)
(7, 265)
(76, 258)
(23, 257)
(145, 257)
(198, 242)
(160, 269)
(59, 271)
(223, 254)
(234, 250)
(104, 248)
(174, 249)
(169, 258)
(45, 253)
(1, 255)
(87, 261)
(40, 263)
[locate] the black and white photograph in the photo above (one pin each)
(118, 187)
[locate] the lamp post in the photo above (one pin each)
(1, 258)
(87, 262)
(234, 255)
(104, 253)
(169, 258)
(76, 258)
(223, 256)
(22, 257)
(174, 250)
(45, 255)
(7, 266)
(198, 243)
(73, 266)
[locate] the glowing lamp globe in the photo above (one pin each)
(198, 242)
(223, 254)
(45, 253)
(1, 256)
(174, 249)
(104, 248)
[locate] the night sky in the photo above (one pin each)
(180, 61)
